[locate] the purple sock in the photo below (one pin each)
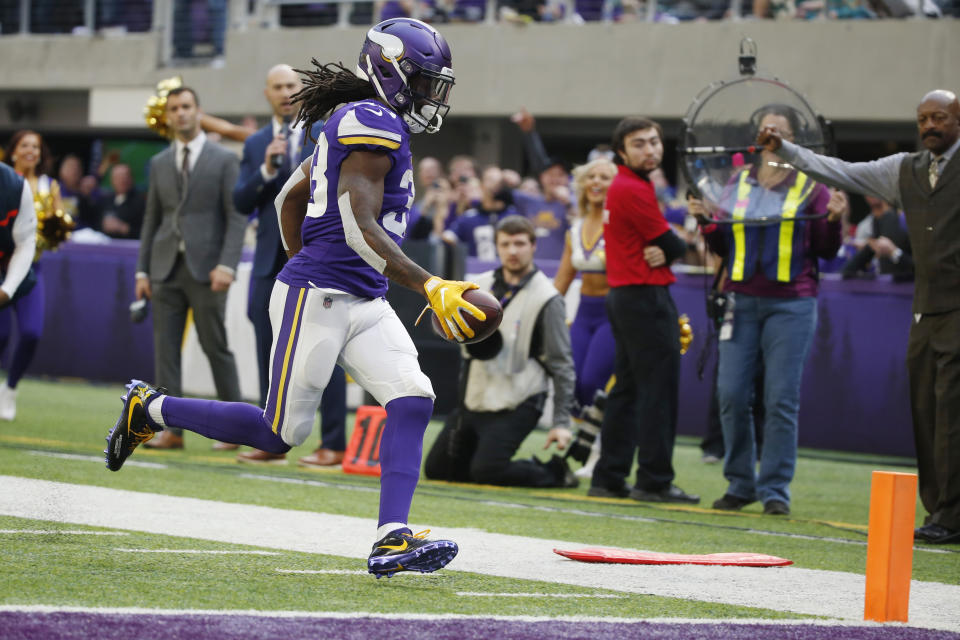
(401, 449)
(234, 422)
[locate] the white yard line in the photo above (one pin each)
(98, 459)
(326, 572)
(63, 532)
(833, 594)
(483, 594)
(212, 552)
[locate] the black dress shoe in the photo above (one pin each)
(776, 508)
(671, 494)
(937, 534)
(730, 502)
(603, 492)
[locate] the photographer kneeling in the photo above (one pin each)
(504, 379)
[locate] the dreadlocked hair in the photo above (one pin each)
(325, 87)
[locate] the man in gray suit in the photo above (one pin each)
(189, 248)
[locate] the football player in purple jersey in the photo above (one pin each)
(342, 214)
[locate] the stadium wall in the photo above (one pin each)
(850, 70)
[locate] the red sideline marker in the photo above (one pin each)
(622, 556)
(363, 452)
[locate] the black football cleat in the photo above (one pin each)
(132, 428)
(405, 552)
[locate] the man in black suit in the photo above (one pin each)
(269, 155)
(121, 212)
(190, 245)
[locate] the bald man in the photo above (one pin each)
(926, 185)
(268, 156)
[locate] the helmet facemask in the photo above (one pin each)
(411, 73)
(428, 93)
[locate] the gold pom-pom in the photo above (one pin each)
(53, 225)
(154, 111)
(686, 333)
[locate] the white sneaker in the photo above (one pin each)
(586, 471)
(8, 402)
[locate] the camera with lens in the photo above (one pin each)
(591, 418)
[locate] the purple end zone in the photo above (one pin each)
(114, 626)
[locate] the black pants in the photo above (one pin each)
(172, 299)
(479, 447)
(641, 413)
(933, 362)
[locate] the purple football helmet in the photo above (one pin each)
(408, 62)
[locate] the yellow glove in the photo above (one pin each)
(446, 300)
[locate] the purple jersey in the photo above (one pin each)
(549, 220)
(326, 261)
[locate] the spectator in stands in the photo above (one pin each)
(429, 169)
(475, 227)
(848, 233)
(591, 336)
(188, 29)
(269, 157)
(926, 184)
(888, 243)
(74, 195)
(435, 194)
(550, 212)
(462, 173)
(774, 314)
(530, 186)
(468, 11)
(189, 249)
(427, 10)
(641, 409)
(461, 166)
(433, 212)
(121, 210)
(512, 179)
(504, 379)
(689, 10)
(29, 157)
(834, 9)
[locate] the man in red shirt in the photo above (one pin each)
(641, 411)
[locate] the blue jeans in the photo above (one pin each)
(781, 329)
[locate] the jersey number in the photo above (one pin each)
(318, 180)
(396, 222)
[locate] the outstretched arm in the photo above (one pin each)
(880, 178)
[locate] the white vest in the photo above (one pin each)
(513, 376)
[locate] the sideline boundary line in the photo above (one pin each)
(792, 590)
(41, 608)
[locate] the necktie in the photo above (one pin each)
(934, 171)
(185, 168)
(285, 163)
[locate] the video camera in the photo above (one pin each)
(591, 418)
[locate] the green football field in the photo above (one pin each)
(194, 530)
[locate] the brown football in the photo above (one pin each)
(482, 329)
